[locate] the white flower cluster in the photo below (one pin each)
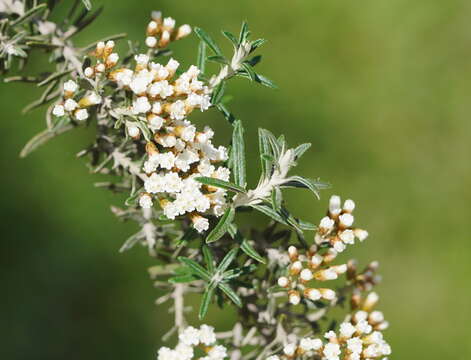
(311, 267)
(178, 153)
(160, 32)
(77, 108)
(336, 228)
(359, 337)
(189, 338)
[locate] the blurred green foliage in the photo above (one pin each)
(381, 89)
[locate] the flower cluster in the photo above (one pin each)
(177, 152)
(189, 339)
(160, 32)
(74, 104)
(336, 228)
(359, 337)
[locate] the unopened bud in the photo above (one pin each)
(283, 281)
(183, 31)
(296, 268)
(327, 294)
(312, 294)
(370, 301)
(294, 297)
(306, 275)
(293, 253)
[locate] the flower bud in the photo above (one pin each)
(151, 41)
(145, 201)
(312, 294)
(370, 301)
(152, 28)
(89, 72)
(111, 60)
(164, 39)
(360, 234)
(81, 114)
(328, 294)
(183, 31)
(334, 205)
(133, 131)
(348, 206)
(324, 275)
(293, 297)
(151, 149)
(346, 220)
(293, 253)
(306, 275)
(296, 268)
(283, 281)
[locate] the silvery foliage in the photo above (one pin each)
(274, 287)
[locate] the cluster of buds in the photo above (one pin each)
(359, 337)
(361, 281)
(203, 338)
(75, 108)
(162, 31)
(305, 269)
(337, 228)
(106, 59)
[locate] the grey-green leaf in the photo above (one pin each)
(226, 261)
(222, 226)
(250, 251)
(220, 184)
(231, 294)
(208, 40)
(238, 154)
(196, 268)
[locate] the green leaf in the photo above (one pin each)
(276, 198)
(270, 213)
(233, 273)
(227, 114)
(244, 32)
(87, 4)
(230, 293)
(208, 258)
(201, 60)
(29, 14)
(222, 226)
(208, 40)
(238, 154)
(254, 61)
(207, 297)
(196, 268)
(247, 248)
(54, 76)
(264, 150)
(250, 72)
(226, 261)
(220, 184)
(301, 182)
(182, 279)
(265, 81)
(218, 93)
(231, 38)
(301, 149)
(218, 59)
(257, 43)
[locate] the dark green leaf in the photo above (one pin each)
(249, 71)
(250, 251)
(208, 258)
(257, 43)
(208, 40)
(196, 268)
(227, 114)
(29, 14)
(207, 297)
(222, 226)
(231, 38)
(244, 32)
(218, 93)
(226, 261)
(254, 61)
(231, 294)
(301, 182)
(234, 273)
(182, 279)
(265, 81)
(218, 59)
(220, 184)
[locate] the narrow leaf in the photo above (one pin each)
(218, 93)
(42, 138)
(244, 32)
(29, 14)
(250, 251)
(231, 38)
(201, 61)
(208, 258)
(222, 226)
(87, 4)
(238, 154)
(231, 294)
(226, 261)
(208, 40)
(301, 149)
(220, 184)
(207, 297)
(196, 268)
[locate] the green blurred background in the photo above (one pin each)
(381, 89)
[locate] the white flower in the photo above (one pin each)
(283, 281)
(289, 349)
(334, 204)
(346, 220)
(169, 23)
(124, 77)
(273, 357)
(58, 110)
(183, 31)
(177, 110)
(167, 160)
(155, 122)
(355, 345)
(347, 236)
(70, 105)
(165, 353)
(349, 205)
(141, 59)
(151, 41)
(306, 275)
(361, 234)
(81, 114)
(313, 294)
(347, 329)
(207, 335)
(326, 223)
(172, 65)
(70, 86)
(140, 81)
(184, 352)
(331, 351)
(308, 344)
(89, 72)
(363, 327)
(217, 352)
(145, 201)
(190, 336)
(141, 105)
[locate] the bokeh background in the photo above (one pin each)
(382, 90)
